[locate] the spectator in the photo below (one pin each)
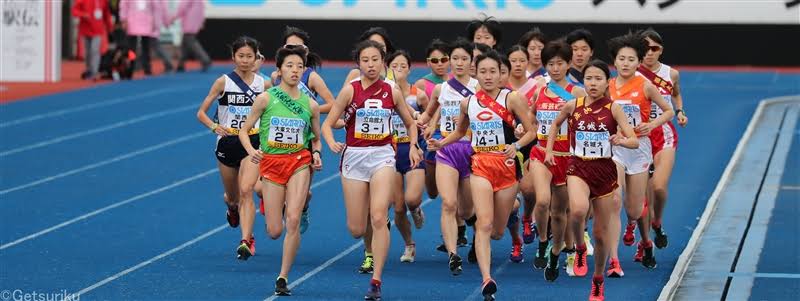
(192, 15)
(139, 22)
(162, 18)
(94, 21)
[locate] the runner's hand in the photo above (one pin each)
(617, 139)
(643, 129)
(519, 131)
(434, 145)
(682, 119)
(222, 131)
(510, 151)
(549, 159)
(336, 147)
(415, 156)
(256, 156)
(428, 133)
(316, 161)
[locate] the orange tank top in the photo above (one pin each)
(632, 99)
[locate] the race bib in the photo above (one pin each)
(372, 123)
(592, 144)
(546, 119)
(286, 133)
(237, 115)
(488, 136)
(447, 122)
(655, 110)
(399, 130)
(632, 111)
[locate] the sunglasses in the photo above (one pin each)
(295, 46)
(436, 60)
(654, 48)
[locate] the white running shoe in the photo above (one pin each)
(409, 253)
(588, 241)
(570, 264)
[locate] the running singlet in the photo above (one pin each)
(490, 133)
(590, 128)
(547, 109)
(450, 104)
(368, 117)
(285, 123)
(664, 73)
(430, 83)
(399, 131)
(632, 98)
(234, 105)
(575, 77)
(304, 85)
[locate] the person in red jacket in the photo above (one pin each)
(95, 21)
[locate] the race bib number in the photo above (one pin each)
(447, 122)
(592, 144)
(546, 119)
(372, 123)
(286, 133)
(632, 111)
(655, 110)
(237, 115)
(488, 136)
(399, 130)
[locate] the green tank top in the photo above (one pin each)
(285, 124)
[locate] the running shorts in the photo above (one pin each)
(456, 155)
(559, 171)
(500, 171)
(663, 137)
(279, 169)
(635, 161)
(360, 163)
(230, 151)
(599, 174)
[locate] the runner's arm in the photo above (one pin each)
(216, 90)
(342, 101)
(654, 95)
(255, 112)
(318, 85)
(677, 98)
(629, 140)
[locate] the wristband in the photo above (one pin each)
(678, 111)
(316, 151)
(214, 127)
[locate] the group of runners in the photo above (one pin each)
(541, 128)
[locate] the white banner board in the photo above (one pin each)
(533, 11)
(30, 40)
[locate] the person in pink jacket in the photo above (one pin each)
(162, 18)
(192, 15)
(139, 20)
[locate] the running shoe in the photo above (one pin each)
(570, 264)
(614, 269)
(455, 264)
(597, 293)
(649, 259)
(629, 238)
(366, 266)
(516, 251)
(304, 220)
(281, 288)
(441, 248)
(488, 288)
(374, 292)
(471, 256)
(540, 261)
(419, 217)
(639, 252)
(253, 245)
(244, 251)
(661, 237)
(409, 253)
(588, 241)
(580, 268)
(551, 271)
(232, 216)
(528, 233)
(462, 241)
(261, 206)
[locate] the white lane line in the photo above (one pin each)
(331, 261)
(89, 106)
(51, 141)
(669, 289)
(178, 248)
(104, 209)
(106, 162)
